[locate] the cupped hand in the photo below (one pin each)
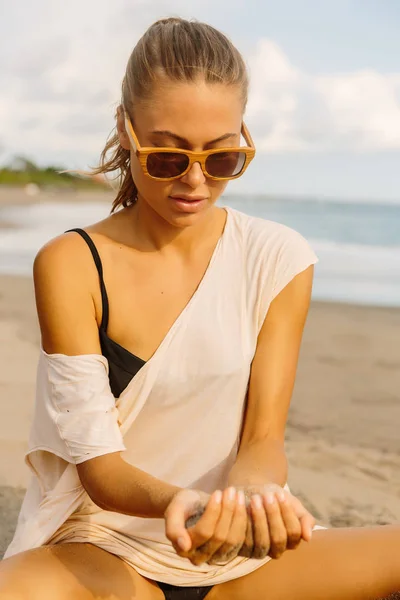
(251, 521)
(280, 521)
(207, 530)
(186, 504)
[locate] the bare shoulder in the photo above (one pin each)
(64, 277)
(62, 250)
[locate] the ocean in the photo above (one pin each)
(358, 244)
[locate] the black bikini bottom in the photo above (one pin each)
(173, 592)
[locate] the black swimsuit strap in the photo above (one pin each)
(99, 266)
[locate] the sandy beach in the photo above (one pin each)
(342, 435)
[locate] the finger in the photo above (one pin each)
(260, 528)
(277, 530)
(236, 535)
(176, 526)
(247, 548)
(204, 529)
(205, 550)
(176, 530)
(290, 520)
(307, 521)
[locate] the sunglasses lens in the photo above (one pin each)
(166, 164)
(225, 164)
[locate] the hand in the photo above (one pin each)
(216, 529)
(185, 504)
(280, 521)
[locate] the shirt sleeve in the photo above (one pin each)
(295, 255)
(287, 255)
(75, 414)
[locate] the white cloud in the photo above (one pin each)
(290, 110)
(273, 97)
(60, 82)
(365, 106)
(63, 80)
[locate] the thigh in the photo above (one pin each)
(76, 570)
(337, 564)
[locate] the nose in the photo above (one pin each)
(195, 176)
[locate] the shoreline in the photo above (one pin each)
(342, 433)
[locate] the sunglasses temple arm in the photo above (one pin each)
(247, 136)
(128, 130)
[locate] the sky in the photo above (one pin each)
(324, 104)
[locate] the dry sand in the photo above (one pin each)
(342, 436)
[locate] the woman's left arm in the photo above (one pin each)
(261, 458)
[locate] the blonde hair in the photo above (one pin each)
(178, 50)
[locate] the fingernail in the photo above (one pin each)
(270, 498)
(231, 494)
(218, 496)
(182, 543)
(257, 501)
(241, 498)
(310, 533)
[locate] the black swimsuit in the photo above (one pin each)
(123, 366)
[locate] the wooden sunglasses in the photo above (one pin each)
(167, 164)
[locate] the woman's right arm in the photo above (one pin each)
(65, 282)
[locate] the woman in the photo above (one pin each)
(170, 338)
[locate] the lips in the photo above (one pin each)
(189, 198)
(189, 204)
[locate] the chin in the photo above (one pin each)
(181, 221)
(179, 215)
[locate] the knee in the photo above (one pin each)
(27, 576)
(13, 579)
(6, 588)
(11, 595)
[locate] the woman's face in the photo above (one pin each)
(188, 116)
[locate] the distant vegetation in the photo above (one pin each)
(23, 171)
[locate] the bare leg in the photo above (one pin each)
(78, 571)
(338, 564)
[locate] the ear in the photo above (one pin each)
(123, 136)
